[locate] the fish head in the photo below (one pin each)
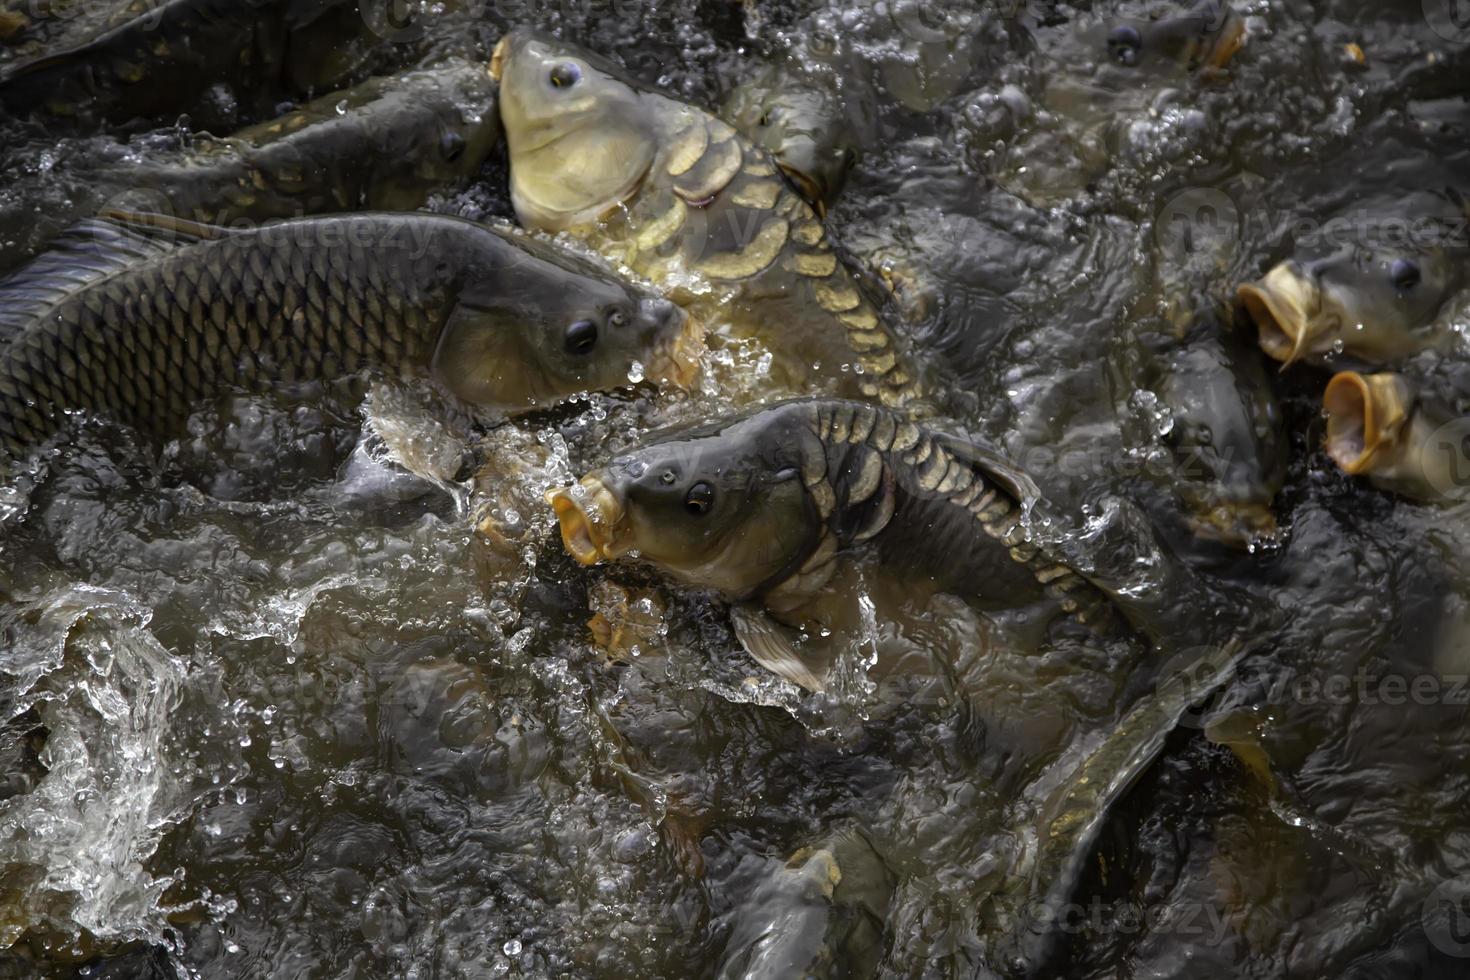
(1205, 37)
(1365, 302)
(551, 324)
(725, 510)
(800, 123)
(435, 127)
(1366, 416)
(468, 127)
(581, 136)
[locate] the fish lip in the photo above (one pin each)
(589, 533)
(1232, 39)
(1364, 417)
(499, 56)
(1278, 306)
(677, 358)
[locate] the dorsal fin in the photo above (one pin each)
(1020, 486)
(87, 252)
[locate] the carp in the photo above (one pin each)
(139, 317)
(681, 198)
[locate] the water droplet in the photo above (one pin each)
(512, 947)
(635, 372)
(342, 108)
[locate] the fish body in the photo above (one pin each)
(155, 60)
(141, 317)
(769, 508)
(383, 145)
(1227, 436)
(684, 200)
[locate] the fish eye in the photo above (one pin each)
(451, 145)
(1124, 44)
(699, 499)
(1404, 274)
(565, 75)
(581, 337)
(667, 478)
(616, 318)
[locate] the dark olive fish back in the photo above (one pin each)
(932, 501)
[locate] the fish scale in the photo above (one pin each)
(682, 192)
(805, 251)
(149, 341)
(924, 463)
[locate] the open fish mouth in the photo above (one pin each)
(676, 359)
(1280, 306)
(591, 519)
(1364, 417)
(1231, 40)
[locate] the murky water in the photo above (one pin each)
(277, 706)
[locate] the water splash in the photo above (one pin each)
(77, 845)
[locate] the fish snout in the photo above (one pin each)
(1281, 306)
(676, 340)
(1365, 417)
(499, 56)
(590, 514)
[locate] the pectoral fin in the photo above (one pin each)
(766, 641)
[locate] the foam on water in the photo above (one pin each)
(77, 846)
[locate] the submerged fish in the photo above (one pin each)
(155, 59)
(382, 145)
(1378, 426)
(1204, 37)
(1227, 439)
(819, 913)
(777, 508)
(1374, 305)
(1071, 803)
(139, 317)
(799, 119)
(672, 191)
